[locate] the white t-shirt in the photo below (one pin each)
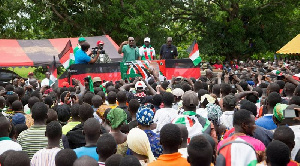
(164, 116)
(183, 152)
(226, 119)
(6, 145)
(44, 157)
(202, 112)
(296, 130)
(45, 82)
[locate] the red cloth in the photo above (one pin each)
(220, 66)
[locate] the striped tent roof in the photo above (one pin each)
(15, 52)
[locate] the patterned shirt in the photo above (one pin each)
(44, 157)
(154, 140)
(33, 139)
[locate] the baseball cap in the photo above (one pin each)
(177, 92)
(18, 118)
(147, 39)
(190, 99)
(48, 72)
(66, 84)
(95, 79)
(140, 84)
(30, 73)
(100, 42)
(81, 39)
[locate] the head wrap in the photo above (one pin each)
(101, 110)
(145, 116)
(138, 142)
(278, 111)
(116, 117)
(214, 112)
(209, 98)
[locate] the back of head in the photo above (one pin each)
(121, 97)
(200, 151)
(273, 87)
(75, 110)
(39, 111)
(280, 83)
(197, 86)
(130, 161)
(225, 89)
(17, 158)
(87, 98)
(20, 91)
(17, 106)
(106, 146)
(170, 136)
(289, 88)
(247, 105)
(32, 101)
(134, 106)
(157, 99)
(53, 130)
(85, 46)
(229, 102)
(112, 97)
(295, 100)
(297, 91)
(63, 112)
(184, 132)
(62, 155)
(278, 153)
(285, 135)
(97, 101)
(85, 111)
(241, 116)
(11, 98)
(49, 101)
(85, 161)
(4, 126)
(253, 98)
(186, 87)
(114, 160)
(190, 100)
(258, 90)
(168, 98)
(273, 99)
(92, 128)
(216, 89)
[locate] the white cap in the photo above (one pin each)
(147, 39)
(140, 84)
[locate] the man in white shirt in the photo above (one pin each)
(167, 114)
(46, 80)
(146, 51)
(5, 142)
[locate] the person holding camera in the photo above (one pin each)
(81, 57)
(103, 57)
(129, 50)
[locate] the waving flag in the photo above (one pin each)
(194, 53)
(66, 57)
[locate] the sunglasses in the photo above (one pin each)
(131, 40)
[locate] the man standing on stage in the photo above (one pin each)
(168, 51)
(81, 57)
(146, 51)
(129, 50)
(80, 41)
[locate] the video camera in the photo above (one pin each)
(95, 49)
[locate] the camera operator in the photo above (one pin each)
(103, 57)
(81, 56)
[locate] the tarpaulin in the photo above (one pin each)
(292, 47)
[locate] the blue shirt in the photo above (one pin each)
(81, 57)
(87, 151)
(266, 122)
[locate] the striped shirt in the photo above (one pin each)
(33, 139)
(44, 157)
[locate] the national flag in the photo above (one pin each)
(236, 152)
(53, 72)
(66, 57)
(194, 53)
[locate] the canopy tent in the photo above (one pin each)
(40, 52)
(292, 47)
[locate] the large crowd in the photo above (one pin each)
(236, 114)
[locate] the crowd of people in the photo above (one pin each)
(235, 114)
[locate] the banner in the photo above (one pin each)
(143, 69)
(117, 70)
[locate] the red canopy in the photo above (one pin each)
(40, 52)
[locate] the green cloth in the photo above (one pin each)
(130, 53)
(4, 138)
(117, 117)
(81, 39)
(91, 84)
(75, 49)
(278, 111)
(69, 126)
